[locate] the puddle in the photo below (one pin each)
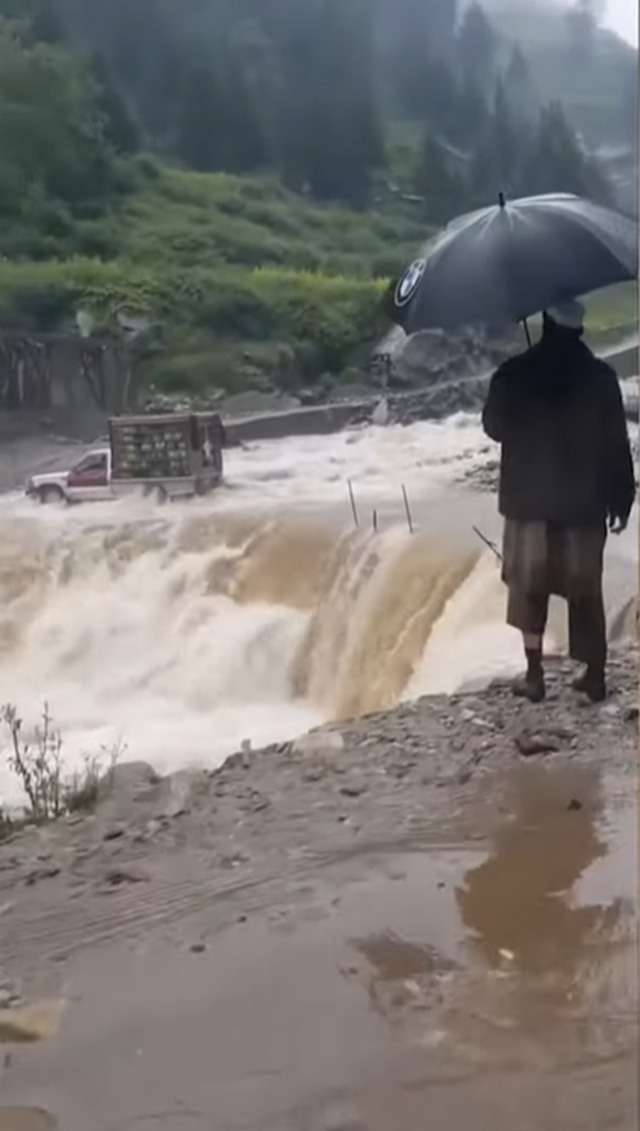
(551, 917)
(445, 970)
(26, 1119)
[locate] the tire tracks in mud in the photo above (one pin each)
(71, 919)
(309, 835)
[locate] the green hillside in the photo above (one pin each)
(237, 277)
(241, 183)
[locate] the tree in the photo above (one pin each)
(441, 97)
(199, 116)
(332, 133)
(47, 25)
(53, 138)
(582, 20)
(471, 115)
(411, 34)
(519, 87)
(477, 45)
(557, 163)
(441, 185)
(628, 101)
(243, 136)
(120, 127)
(497, 157)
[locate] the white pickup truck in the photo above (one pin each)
(89, 480)
(166, 457)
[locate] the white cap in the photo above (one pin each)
(569, 314)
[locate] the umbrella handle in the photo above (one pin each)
(525, 326)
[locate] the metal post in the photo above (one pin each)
(527, 334)
(375, 521)
(488, 542)
(354, 509)
(407, 509)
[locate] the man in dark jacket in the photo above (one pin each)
(566, 472)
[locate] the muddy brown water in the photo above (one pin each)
(26, 1119)
(451, 985)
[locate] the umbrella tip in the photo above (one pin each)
(501, 200)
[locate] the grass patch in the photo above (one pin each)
(217, 324)
(184, 220)
(242, 279)
(613, 312)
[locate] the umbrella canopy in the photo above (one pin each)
(505, 263)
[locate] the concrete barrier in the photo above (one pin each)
(321, 420)
(318, 420)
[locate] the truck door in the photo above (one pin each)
(89, 480)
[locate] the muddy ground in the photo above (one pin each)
(426, 917)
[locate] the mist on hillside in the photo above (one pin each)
(441, 102)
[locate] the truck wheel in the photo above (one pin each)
(51, 494)
(155, 494)
(160, 495)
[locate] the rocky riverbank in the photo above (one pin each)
(334, 931)
(163, 848)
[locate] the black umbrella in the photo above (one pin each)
(505, 263)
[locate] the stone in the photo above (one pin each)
(175, 793)
(114, 833)
(117, 877)
(531, 743)
(319, 742)
(353, 789)
(127, 780)
(240, 760)
(38, 874)
(315, 772)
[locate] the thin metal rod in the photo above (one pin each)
(407, 509)
(488, 543)
(374, 517)
(527, 334)
(354, 509)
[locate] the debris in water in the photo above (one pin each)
(37, 1022)
(381, 414)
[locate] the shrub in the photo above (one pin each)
(38, 765)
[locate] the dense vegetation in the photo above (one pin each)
(301, 149)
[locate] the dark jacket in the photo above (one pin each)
(557, 411)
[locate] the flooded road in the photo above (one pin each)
(465, 985)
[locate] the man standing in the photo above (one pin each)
(566, 472)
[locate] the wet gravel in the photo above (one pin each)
(158, 851)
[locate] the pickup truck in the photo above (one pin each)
(166, 457)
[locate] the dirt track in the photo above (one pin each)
(331, 934)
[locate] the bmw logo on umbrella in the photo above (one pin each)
(409, 282)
